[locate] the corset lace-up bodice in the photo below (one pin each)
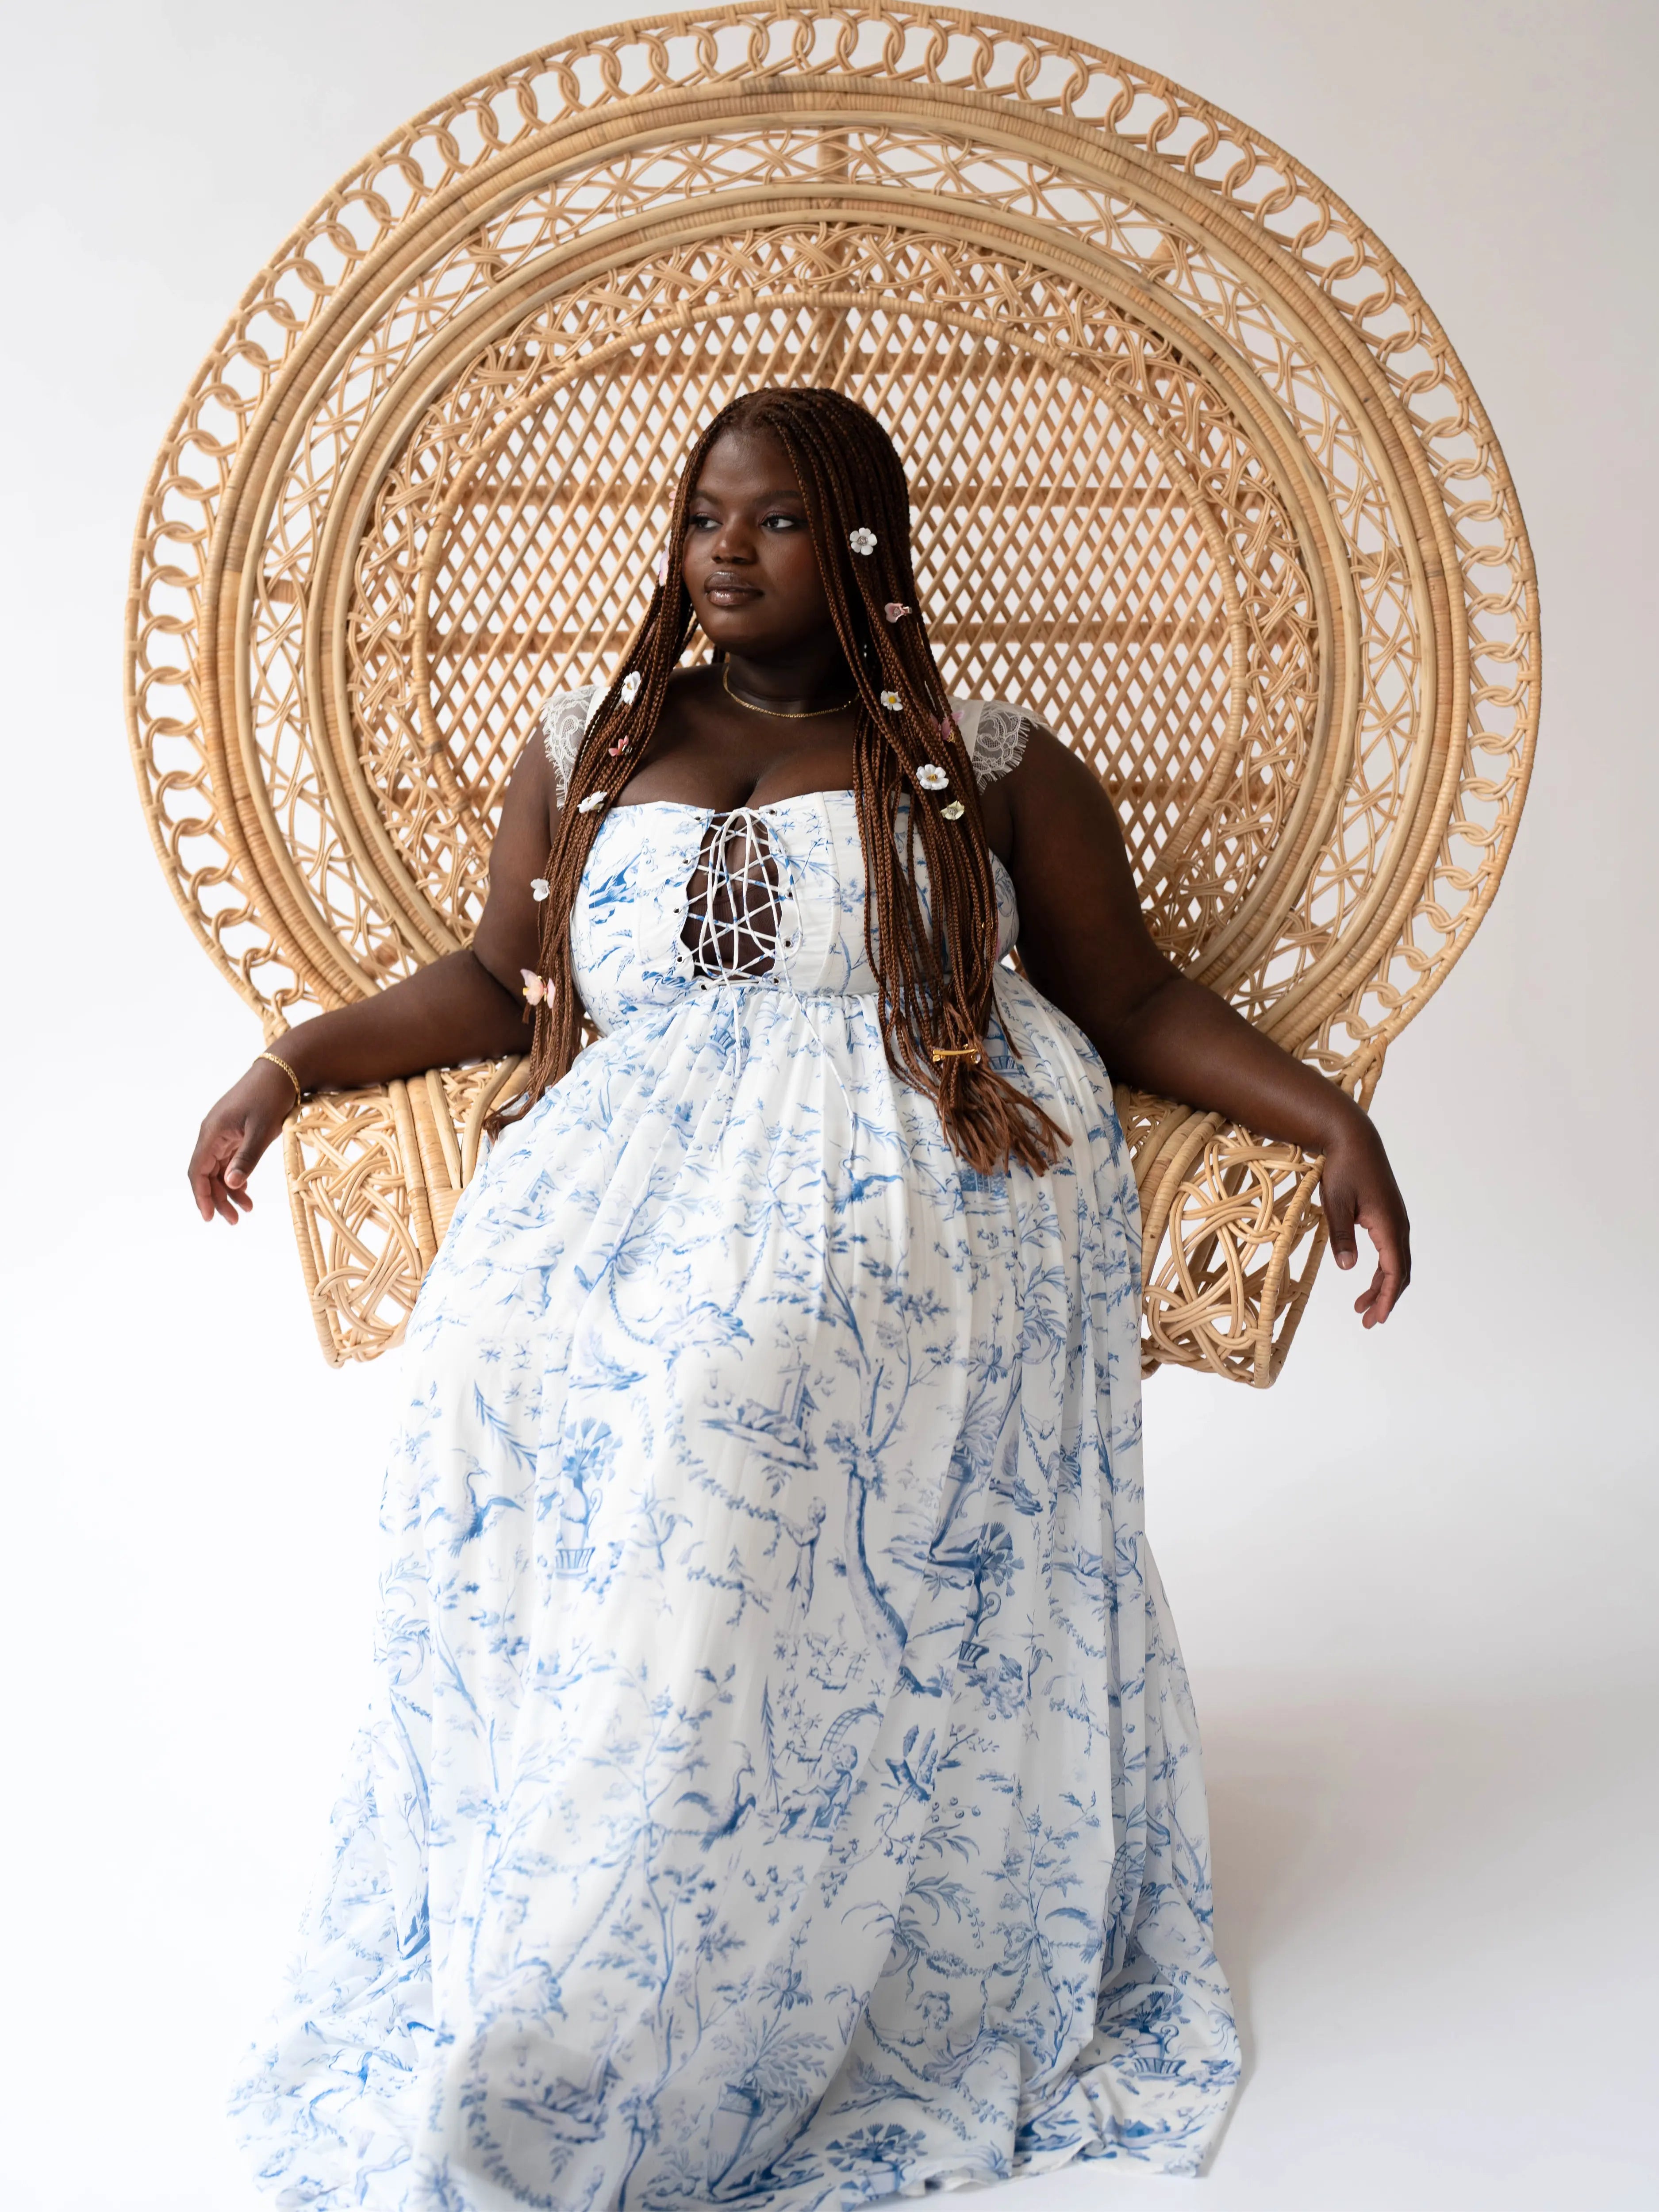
(678, 899)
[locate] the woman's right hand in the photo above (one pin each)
(232, 1137)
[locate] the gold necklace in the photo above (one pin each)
(782, 714)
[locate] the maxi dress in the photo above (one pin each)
(781, 1787)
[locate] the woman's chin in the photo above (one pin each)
(737, 630)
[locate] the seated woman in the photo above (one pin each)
(781, 1786)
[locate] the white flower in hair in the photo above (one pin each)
(931, 778)
(954, 812)
(536, 988)
(891, 701)
(592, 804)
(861, 541)
(630, 687)
(539, 888)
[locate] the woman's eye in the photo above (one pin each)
(785, 521)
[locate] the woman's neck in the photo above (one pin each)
(798, 679)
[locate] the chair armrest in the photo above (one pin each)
(1225, 1217)
(374, 1178)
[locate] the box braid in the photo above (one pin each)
(933, 960)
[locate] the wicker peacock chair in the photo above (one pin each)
(1198, 477)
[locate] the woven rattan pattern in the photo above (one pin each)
(1197, 475)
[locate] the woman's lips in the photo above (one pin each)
(727, 591)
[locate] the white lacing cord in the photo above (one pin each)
(751, 896)
(743, 826)
(759, 856)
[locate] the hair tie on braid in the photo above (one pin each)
(933, 958)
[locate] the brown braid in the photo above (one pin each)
(934, 960)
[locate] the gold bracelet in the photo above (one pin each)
(276, 1060)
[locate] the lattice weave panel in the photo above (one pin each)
(1197, 476)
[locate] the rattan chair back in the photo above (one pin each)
(1197, 477)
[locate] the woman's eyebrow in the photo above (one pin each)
(759, 498)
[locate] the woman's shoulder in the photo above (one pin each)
(562, 720)
(995, 733)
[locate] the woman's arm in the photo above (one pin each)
(1086, 945)
(469, 1006)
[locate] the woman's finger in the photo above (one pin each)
(1366, 1305)
(224, 1198)
(208, 1166)
(206, 1187)
(243, 1161)
(1339, 1216)
(1393, 1266)
(200, 1189)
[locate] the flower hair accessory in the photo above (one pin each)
(950, 728)
(539, 888)
(662, 567)
(891, 701)
(862, 540)
(630, 687)
(954, 812)
(932, 777)
(592, 804)
(536, 988)
(896, 611)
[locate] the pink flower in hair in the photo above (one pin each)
(896, 611)
(536, 988)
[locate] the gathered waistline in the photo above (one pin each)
(714, 988)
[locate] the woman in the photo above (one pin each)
(781, 1786)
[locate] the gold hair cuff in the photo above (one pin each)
(956, 1052)
(276, 1060)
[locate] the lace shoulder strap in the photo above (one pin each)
(562, 722)
(995, 735)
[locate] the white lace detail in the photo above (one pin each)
(563, 722)
(995, 735)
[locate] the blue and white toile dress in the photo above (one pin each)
(782, 1787)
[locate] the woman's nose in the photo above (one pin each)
(733, 541)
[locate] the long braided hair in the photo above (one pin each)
(933, 958)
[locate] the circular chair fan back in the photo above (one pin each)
(1196, 477)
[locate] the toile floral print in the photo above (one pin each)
(780, 1788)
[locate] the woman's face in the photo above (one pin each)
(750, 566)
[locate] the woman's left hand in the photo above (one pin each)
(1358, 1187)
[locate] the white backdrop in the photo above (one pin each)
(1414, 1581)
